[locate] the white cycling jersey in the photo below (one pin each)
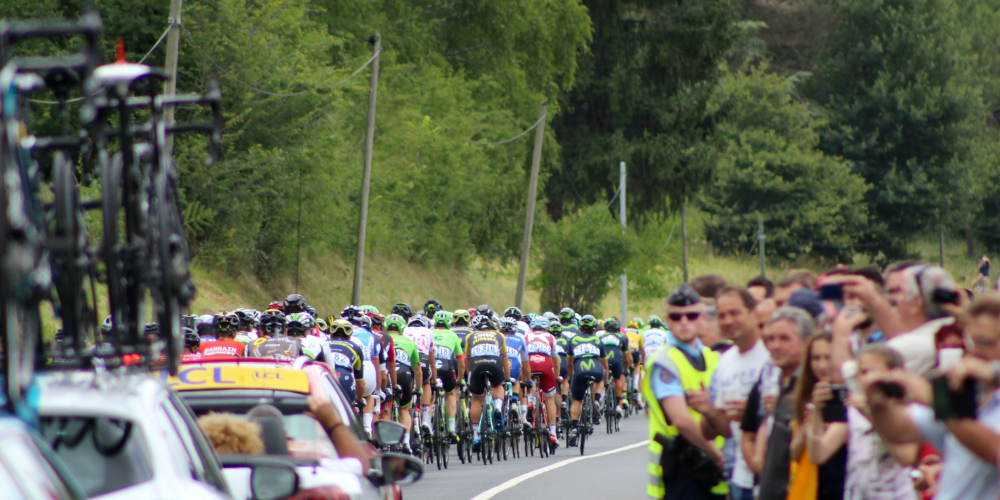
(423, 337)
(652, 340)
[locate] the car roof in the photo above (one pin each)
(121, 395)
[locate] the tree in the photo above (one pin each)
(639, 98)
(582, 254)
(768, 168)
(903, 109)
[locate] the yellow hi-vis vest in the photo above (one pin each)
(691, 380)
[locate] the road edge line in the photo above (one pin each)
(510, 483)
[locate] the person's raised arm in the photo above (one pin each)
(344, 440)
(881, 311)
(978, 438)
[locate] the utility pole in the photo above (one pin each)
(366, 178)
(760, 243)
(621, 216)
(529, 216)
(684, 238)
(173, 46)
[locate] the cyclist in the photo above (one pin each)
(522, 327)
(403, 309)
(299, 326)
(486, 352)
(294, 303)
(619, 358)
(562, 347)
(274, 340)
(632, 332)
(450, 361)
(431, 307)
(388, 382)
(417, 330)
(460, 325)
(517, 355)
(371, 354)
(191, 343)
(652, 339)
(345, 360)
(587, 358)
(567, 318)
(226, 345)
(246, 331)
(407, 377)
(206, 327)
(543, 358)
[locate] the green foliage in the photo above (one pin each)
(768, 168)
(583, 253)
(904, 109)
(640, 98)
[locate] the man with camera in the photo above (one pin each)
(683, 463)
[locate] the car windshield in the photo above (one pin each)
(104, 455)
(306, 437)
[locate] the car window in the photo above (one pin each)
(182, 429)
(175, 444)
(31, 469)
(344, 408)
(213, 469)
(103, 455)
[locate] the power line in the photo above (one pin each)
(512, 139)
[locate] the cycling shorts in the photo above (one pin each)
(404, 377)
(448, 380)
(616, 369)
(543, 365)
(371, 378)
(635, 356)
(425, 368)
(347, 383)
(578, 386)
(477, 384)
(562, 367)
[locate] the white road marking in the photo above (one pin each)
(492, 492)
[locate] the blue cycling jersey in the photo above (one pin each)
(517, 353)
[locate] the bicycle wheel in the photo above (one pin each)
(585, 410)
(169, 262)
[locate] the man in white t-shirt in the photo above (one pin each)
(922, 315)
(739, 368)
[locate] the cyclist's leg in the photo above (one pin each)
(404, 378)
(427, 398)
(371, 384)
(451, 397)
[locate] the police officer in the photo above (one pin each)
(683, 463)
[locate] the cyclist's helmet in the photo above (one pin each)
(539, 323)
(312, 311)
(555, 328)
(323, 325)
(206, 324)
(300, 323)
(246, 319)
(508, 325)
(632, 325)
(431, 307)
(611, 325)
(638, 322)
(655, 322)
(416, 321)
(482, 322)
(341, 328)
(191, 338)
(228, 322)
(277, 305)
(551, 316)
(295, 303)
(394, 322)
(273, 323)
(442, 319)
(188, 321)
(566, 315)
(530, 316)
(378, 322)
(462, 317)
(366, 309)
(352, 314)
(513, 312)
(588, 323)
(403, 309)
(365, 321)
(485, 311)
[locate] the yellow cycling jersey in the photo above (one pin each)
(633, 339)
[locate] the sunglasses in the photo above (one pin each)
(691, 316)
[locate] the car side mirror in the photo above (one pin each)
(273, 480)
(389, 433)
(401, 469)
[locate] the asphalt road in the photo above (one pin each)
(618, 474)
